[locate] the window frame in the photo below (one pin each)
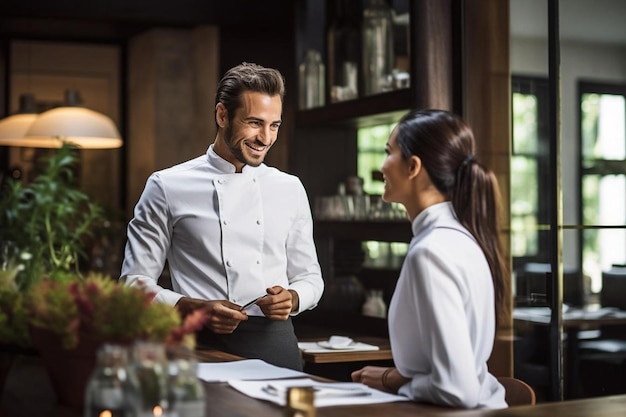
(591, 87)
(537, 86)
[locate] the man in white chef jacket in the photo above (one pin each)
(232, 229)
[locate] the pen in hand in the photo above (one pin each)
(245, 306)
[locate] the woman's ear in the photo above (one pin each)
(415, 166)
(221, 115)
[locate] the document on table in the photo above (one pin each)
(326, 393)
(244, 370)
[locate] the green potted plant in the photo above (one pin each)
(43, 224)
(46, 302)
(43, 227)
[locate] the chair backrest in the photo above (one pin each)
(517, 391)
(613, 292)
(533, 279)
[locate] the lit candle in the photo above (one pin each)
(106, 413)
(157, 411)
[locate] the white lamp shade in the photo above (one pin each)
(13, 128)
(85, 128)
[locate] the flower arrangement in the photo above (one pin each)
(69, 319)
(106, 310)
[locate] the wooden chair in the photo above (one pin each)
(517, 391)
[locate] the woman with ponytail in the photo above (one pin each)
(452, 286)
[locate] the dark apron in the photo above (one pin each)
(273, 341)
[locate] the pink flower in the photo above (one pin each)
(192, 323)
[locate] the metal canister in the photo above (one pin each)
(300, 402)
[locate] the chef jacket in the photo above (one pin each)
(225, 235)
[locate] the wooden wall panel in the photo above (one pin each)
(172, 77)
(488, 110)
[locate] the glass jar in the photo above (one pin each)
(149, 371)
(110, 391)
(186, 392)
(343, 43)
(311, 73)
(377, 47)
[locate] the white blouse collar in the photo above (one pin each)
(431, 215)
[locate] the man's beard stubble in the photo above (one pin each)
(237, 150)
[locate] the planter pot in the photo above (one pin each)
(8, 353)
(6, 360)
(69, 369)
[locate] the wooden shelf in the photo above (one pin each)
(383, 231)
(366, 111)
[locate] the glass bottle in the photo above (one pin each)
(110, 392)
(377, 47)
(343, 43)
(311, 80)
(186, 393)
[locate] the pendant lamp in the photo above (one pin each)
(14, 127)
(71, 123)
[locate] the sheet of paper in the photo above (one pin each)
(314, 347)
(244, 370)
(258, 390)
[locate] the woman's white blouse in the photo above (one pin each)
(442, 317)
(225, 235)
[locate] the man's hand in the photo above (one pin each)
(224, 316)
(279, 303)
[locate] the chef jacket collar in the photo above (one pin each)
(222, 165)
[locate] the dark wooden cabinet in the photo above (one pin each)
(324, 147)
(348, 276)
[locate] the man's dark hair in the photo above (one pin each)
(247, 77)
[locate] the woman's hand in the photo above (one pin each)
(384, 379)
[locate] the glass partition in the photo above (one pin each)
(570, 342)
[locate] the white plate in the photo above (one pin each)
(326, 345)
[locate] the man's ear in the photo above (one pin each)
(221, 115)
(415, 166)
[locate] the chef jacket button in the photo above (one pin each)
(253, 179)
(220, 181)
(258, 262)
(225, 222)
(258, 222)
(228, 263)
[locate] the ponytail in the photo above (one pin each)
(476, 201)
(445, 144)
